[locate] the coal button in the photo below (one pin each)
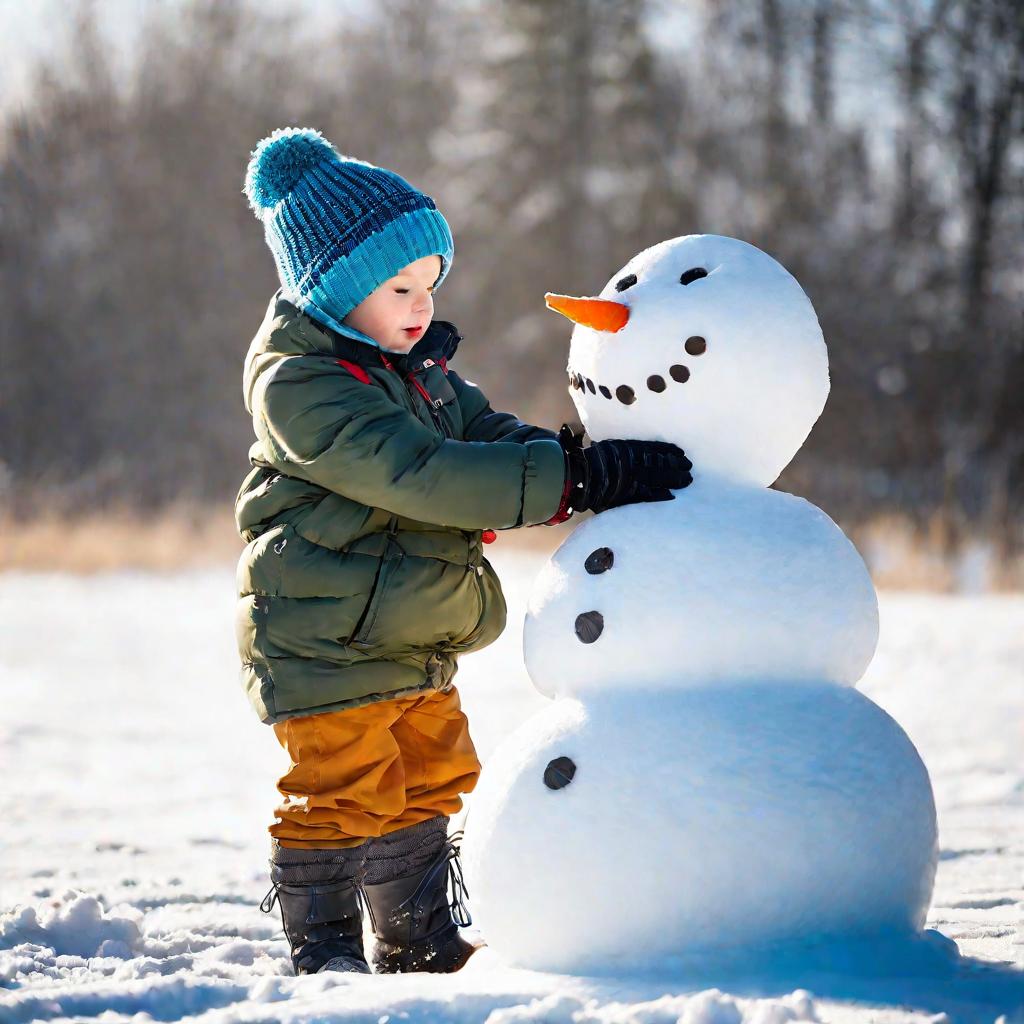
(679, 373)
(559, 773)
(695, 345)
(598, 561)
(589, 626)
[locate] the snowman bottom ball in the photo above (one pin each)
(621, 830)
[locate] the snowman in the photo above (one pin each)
(706, 780)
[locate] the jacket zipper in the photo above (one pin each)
(432, 405)
(357, 637)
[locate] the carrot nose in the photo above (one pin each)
(601, 314)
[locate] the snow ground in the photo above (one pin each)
(137, 786)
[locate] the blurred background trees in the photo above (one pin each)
(875, 147)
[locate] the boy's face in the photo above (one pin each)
(397, 313)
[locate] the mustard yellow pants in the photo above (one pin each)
(371, 770)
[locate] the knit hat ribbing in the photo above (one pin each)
(338, 227)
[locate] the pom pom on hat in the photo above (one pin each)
(279, 161)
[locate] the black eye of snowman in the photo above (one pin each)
(625, 282)
(691, 275)
(559, 773)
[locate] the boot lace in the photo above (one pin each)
(267, 904)
(455, 883)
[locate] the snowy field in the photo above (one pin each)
(137, 787)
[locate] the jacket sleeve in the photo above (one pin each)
(321, 424)
(482, 423)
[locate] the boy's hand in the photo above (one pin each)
(438, 331)
(611, 473)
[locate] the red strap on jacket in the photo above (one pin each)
(423, 391)
(356, 370)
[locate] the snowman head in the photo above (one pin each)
(706, 342)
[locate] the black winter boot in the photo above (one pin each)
(319, 896)
(405, 887)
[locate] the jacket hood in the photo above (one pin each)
(287, 331)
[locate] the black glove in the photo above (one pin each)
(611, 473)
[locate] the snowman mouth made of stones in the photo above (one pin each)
(607, 315)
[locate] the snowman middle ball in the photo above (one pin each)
(725, 583)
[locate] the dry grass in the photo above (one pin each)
(900, 556)
(177, 538)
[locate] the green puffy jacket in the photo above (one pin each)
(373, 478)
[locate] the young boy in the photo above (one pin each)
(378, 473)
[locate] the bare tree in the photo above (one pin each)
(875, 148)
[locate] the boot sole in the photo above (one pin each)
(397, 963)
(345, 965)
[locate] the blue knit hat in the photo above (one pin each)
(338, 227)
